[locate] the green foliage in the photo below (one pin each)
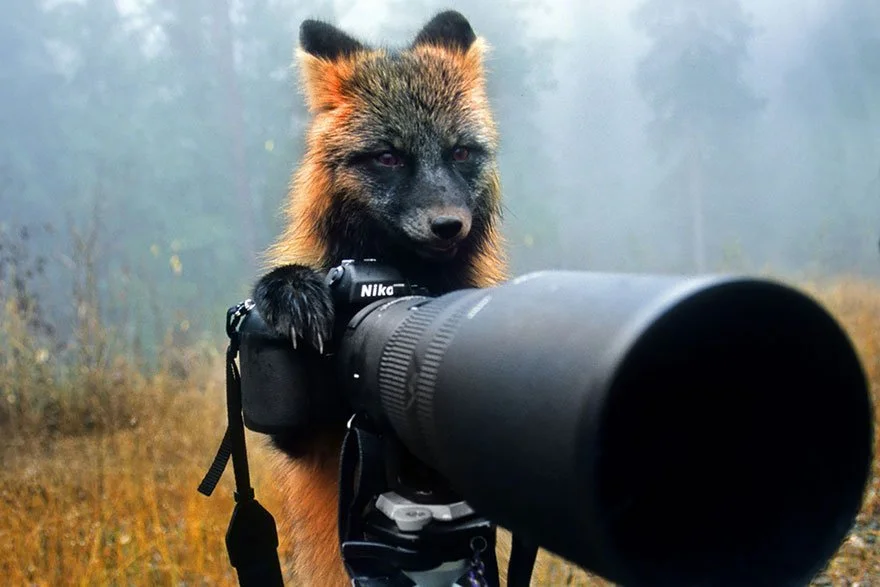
(692, 79)
(29, 88)
(178, 121)
(177, 124)
(834, 92)
(692, 76)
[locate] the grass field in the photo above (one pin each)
(99, 467)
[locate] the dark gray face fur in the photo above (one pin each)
(425, 177)
(414, 139)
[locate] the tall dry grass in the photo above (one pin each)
(117, 506)
(100, 457)
(856, 303)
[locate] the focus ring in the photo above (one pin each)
(408, 371)
(427, 380)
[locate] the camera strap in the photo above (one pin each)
(361, 478)
(251, 538)
(523, 555)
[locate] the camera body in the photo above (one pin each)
(291, 392)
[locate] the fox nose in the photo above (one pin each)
(446, 227)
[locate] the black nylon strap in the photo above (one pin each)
(212, 477)
(523, 554)
(233, 443)
(235, 429)
(251, 538)
(361, 478)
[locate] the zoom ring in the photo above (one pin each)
(408, 372)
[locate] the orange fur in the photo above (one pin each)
(309, 484)
(309, 490)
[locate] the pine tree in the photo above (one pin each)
(692, 80)
(834, 93)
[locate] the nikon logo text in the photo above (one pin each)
(372, 290)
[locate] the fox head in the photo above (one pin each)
(401, 146)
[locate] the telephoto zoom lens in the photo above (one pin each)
(655, 430)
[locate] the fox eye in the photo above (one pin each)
(460, 154)
(389, 159)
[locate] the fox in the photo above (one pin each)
(400, 165)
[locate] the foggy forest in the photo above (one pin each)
(637, 136)
(146, 149)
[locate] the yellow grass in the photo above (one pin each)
(120, 507)
(114, 502)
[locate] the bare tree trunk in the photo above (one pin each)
(235, 117)
(874, 186)
(695, 187)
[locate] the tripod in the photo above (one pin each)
(399, 523)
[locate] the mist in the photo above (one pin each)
(154, 141)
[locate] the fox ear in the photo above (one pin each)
(324, 55)
(448, 29)
(325, 41)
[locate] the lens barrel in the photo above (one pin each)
(656, 430)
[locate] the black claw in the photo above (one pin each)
(294, 297)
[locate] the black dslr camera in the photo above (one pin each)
(288, 393)
(616, 420)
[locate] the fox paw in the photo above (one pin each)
(295, 303)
